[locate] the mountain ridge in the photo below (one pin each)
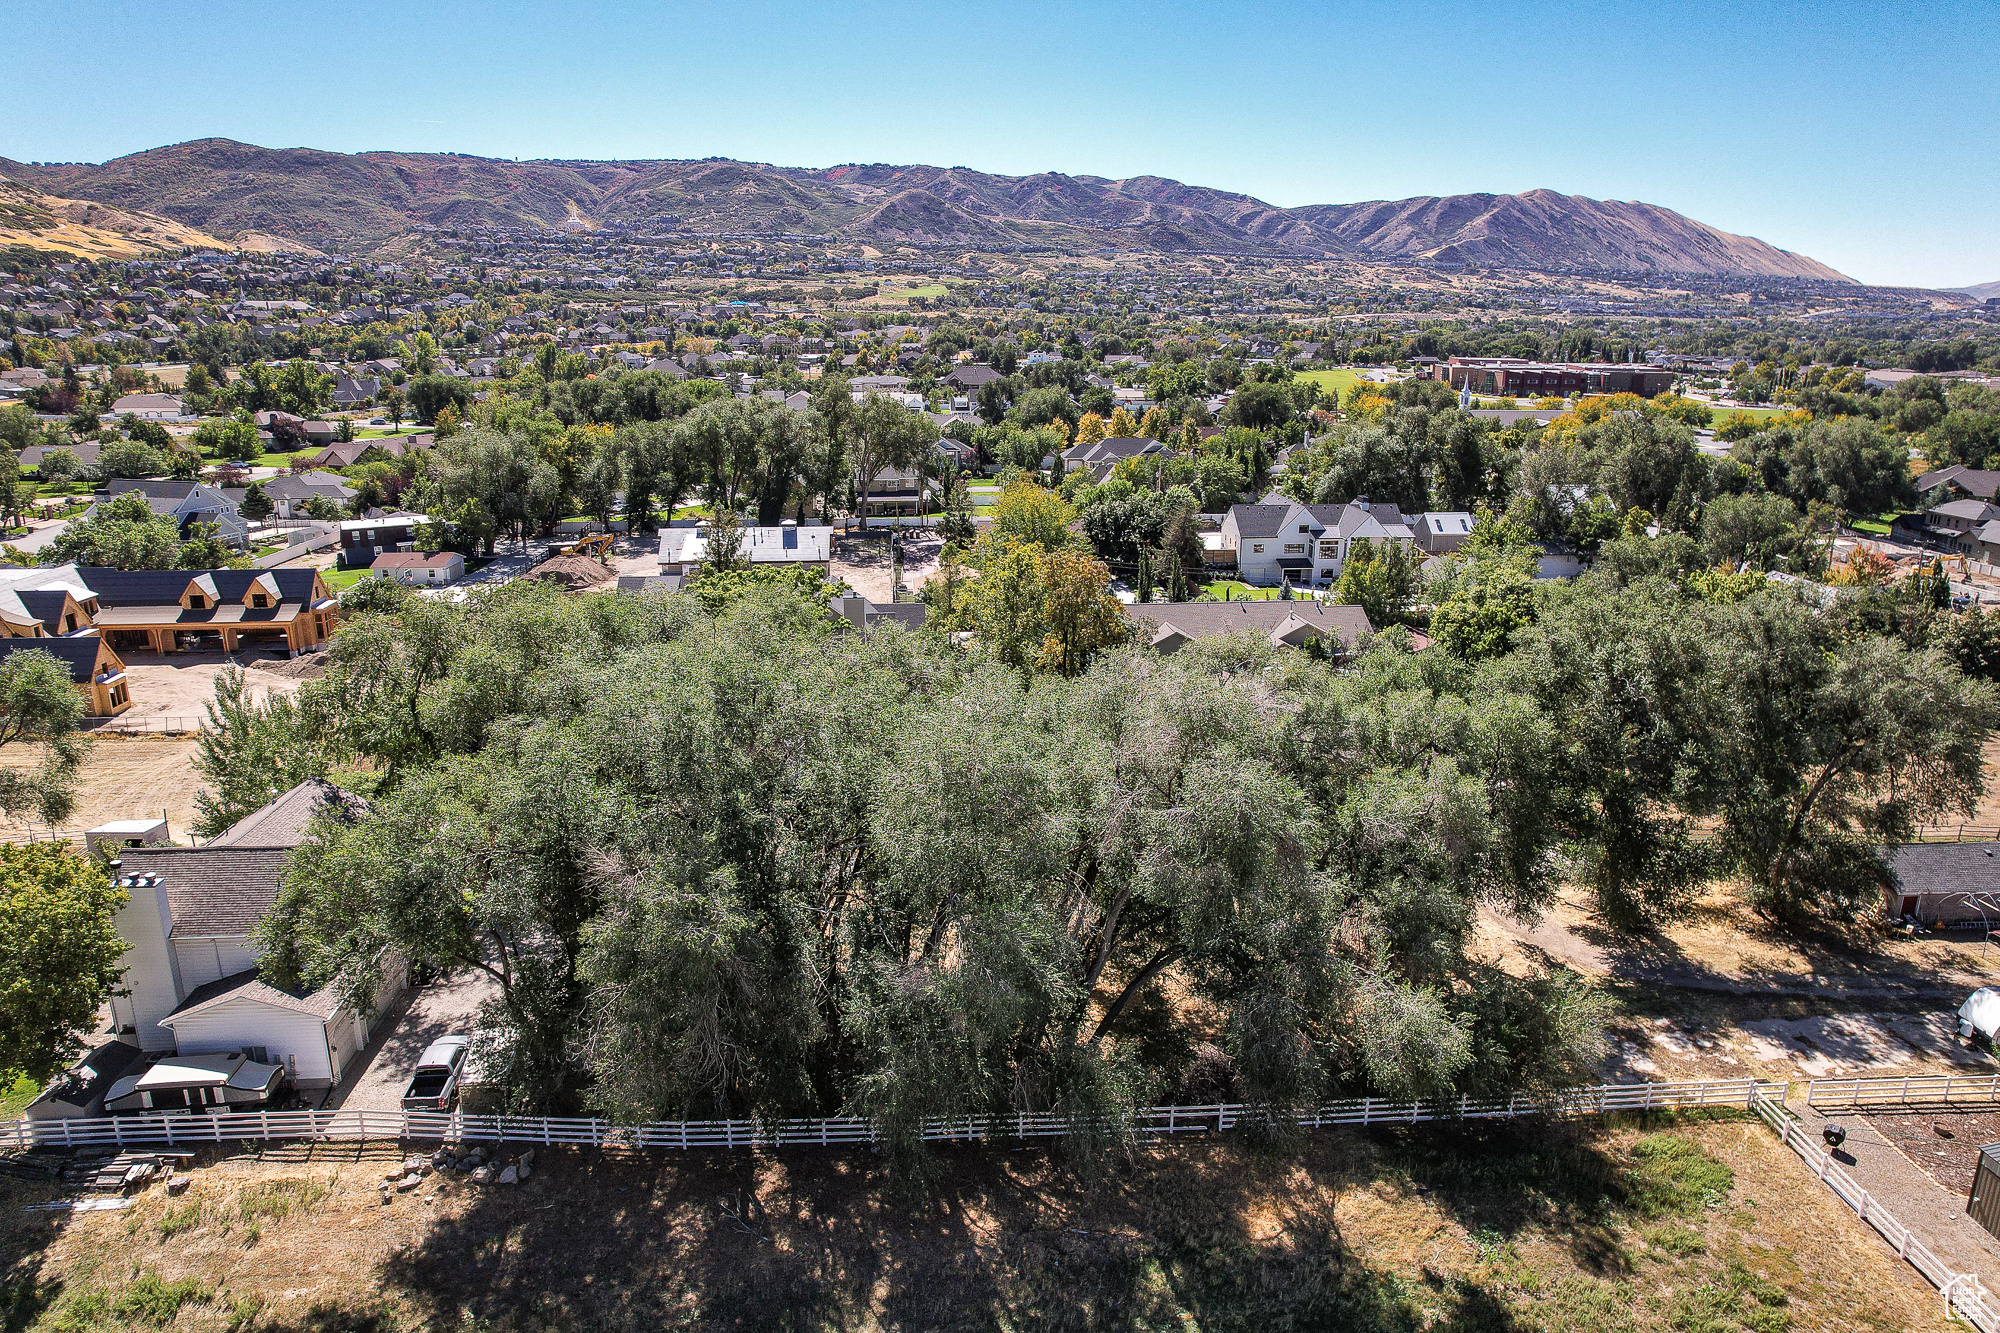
(318, 198)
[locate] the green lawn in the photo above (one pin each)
(1878, 525)
(1236, 591)
(15, 1097)
(340, 580)
(1333, 381)
(1723, 414)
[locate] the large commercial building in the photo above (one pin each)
(1514, 377)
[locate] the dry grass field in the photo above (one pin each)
(1672, 1225)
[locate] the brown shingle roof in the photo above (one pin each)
(213, 890)
(322, 1003)
(1199, 620)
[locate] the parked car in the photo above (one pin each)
(434, 1087)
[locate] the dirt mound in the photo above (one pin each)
(306, 666)
(574, 572)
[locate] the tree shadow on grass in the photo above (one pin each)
(1507, 1178)
(1206, 1235)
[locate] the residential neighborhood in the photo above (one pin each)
(615, 719)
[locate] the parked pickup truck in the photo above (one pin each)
(434, 1087)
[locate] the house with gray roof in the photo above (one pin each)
(1957, 883)
(290, 495)
(192, 979)
(1306, 545)
(1169, 626)
(186, 502)
(1100, 457)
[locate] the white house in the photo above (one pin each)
(684, 546)
(418, 567)
(1306, 544)
(148, 407)
(191, 981)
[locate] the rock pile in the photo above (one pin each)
(486, 1166)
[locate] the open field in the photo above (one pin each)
(1332, 381)
(1695, 1224)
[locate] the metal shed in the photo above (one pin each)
(1984, 1205)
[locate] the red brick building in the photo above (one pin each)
(1513, 377)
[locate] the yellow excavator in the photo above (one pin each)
(597, 545)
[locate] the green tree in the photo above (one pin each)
(225, 440)
(255, 505)
(895, 882)
(886, 435)
(423, 354)
(1028, 514)
(60, 466)
(40, 706)
(120, 533)
(1378, 579)
(130, 458)
(59, 955)
(251, 754)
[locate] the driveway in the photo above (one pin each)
(376, 1078)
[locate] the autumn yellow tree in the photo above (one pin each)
(1089, 429)
(1155, 426)
(1081, 616)
(1122, 426)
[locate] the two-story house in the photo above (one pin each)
(187, 503)
(191, 982)
(1303, 544)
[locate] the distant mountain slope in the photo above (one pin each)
(1543, 229)
(1984, 291)
(229, 188)
(97, 231)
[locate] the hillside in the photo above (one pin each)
(1983, 291)
(322, 198)
(95, 231)
(1700, 1225)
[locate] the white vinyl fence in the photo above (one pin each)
(1963, 1293)
(1925, 1090)
(455, 1126)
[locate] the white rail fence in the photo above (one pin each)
(455, 1126)
(1928, 1090)
(1963, 1293)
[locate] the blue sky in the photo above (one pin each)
(1859, 135)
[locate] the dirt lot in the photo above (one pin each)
(126, 777)
(1944, 1145)
(863, 563)
(180, 684)
(1700, 1225)
(139, 776)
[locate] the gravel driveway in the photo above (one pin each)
(376, 1078)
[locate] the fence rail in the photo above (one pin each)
(455, 1126)
(149, 722)
(1963, 1293)
(1916, 1090)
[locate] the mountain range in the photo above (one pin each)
(328, 199)
(1984, 291)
